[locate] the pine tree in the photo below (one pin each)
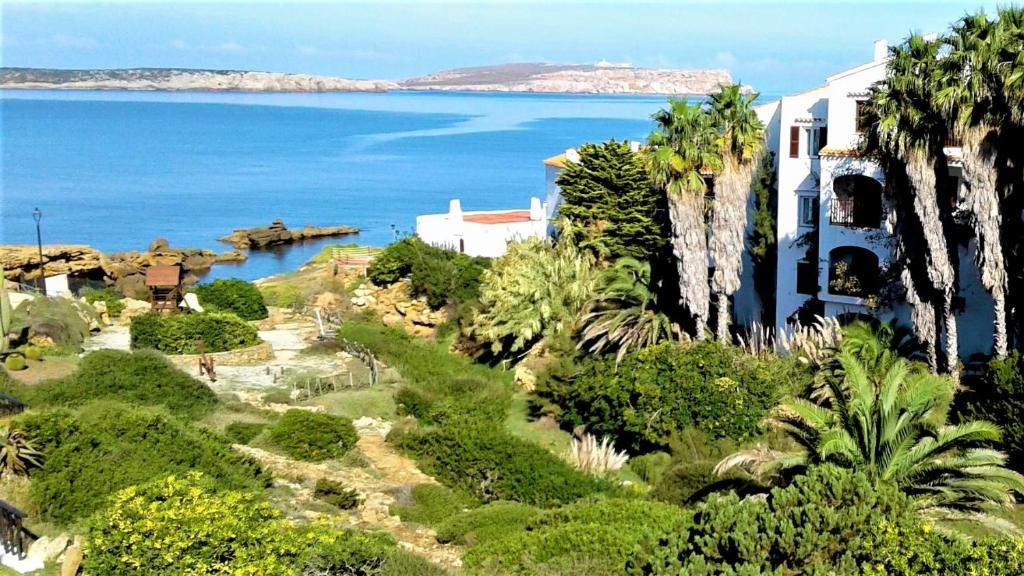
(609, 198)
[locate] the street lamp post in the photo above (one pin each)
(37, 215)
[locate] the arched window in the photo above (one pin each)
(857, 202)
(852, 271)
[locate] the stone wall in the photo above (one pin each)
(257, 354)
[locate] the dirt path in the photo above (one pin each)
(391, 472)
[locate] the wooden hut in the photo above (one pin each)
(165, 287)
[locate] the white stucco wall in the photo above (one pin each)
(451, 230)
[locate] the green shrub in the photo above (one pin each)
(109, 296)
(587, 538)
(144, 377)
(655, 392)
(243, 432)
(230, 295)
(651, 468)
(441, 276)
(488, 462)
(998, 397)
(183, 525)
(179, 333)
(831, 521)
(105, 447)
(64, 321)
(313, 436)
(15, 362)
(487, 523)
(336, 494)
(433, 504)
(278, 397)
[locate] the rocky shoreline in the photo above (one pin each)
(277, 234)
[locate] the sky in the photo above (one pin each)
(774, 46)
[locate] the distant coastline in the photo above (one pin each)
(534, 78)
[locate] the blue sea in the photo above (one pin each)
(116, 170)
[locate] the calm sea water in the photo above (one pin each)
(116, 170)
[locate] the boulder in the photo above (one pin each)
(132, 309)
(278, 234)
(231, 256)
(525, 379)
(72, 559)
(45, 549)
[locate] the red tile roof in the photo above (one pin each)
(509, 217)
(163, 275)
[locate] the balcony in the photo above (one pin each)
(857, 202)
(853, 271)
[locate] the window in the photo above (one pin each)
(853, 271)
(808, 210)
(794, 142)
(859, 121)
(806, 278)
(816, 140)
(857, 202)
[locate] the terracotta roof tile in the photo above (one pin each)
(509, 217)
(555, 161)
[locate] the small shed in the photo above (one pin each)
(165, 287)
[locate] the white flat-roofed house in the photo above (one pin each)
(834, 241)
(482, 233)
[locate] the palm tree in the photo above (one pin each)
(741, 143)
(909, 130)
(626, 314)
(682, 152)
(971, 98)
(886, 420)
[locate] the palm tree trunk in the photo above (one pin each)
(922, 317)
(921, 174)
(690, 247)
(979, 166)
(728, 225)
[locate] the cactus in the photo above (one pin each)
(5, 312)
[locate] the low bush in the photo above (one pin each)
(651, 468)
(184, 525)
(831, 521)
(661, 390)
(585, 539)
(110, 297)
(313, 436)
(488, 462)
(282, 295)
(105, 447)
(998, 396)
(63, 321)
(336, 494)
(15, 362)
(143, 377)
(180, 333)
(489, 522)
(442, 276)
(278, 397)
(231, 295)
(433, 504)
(243, 432)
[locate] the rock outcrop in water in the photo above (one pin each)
(277, 235)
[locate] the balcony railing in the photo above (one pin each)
(846, 211)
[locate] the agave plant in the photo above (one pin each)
(884, 418)
(624, 315)
(17, 455)
(593, 457)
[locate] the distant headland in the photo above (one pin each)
(600, 78)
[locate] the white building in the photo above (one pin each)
(833, 242)
(482, 233)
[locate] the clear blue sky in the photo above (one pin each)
(774, 46)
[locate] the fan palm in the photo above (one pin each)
(741, 143)
(910, 130)
(626, 315)
(682, 152)
(887, 423)
(17, 455)
(971, 97)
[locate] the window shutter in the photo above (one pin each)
(822, 137)
(794, 142)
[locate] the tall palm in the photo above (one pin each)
(886, 420)
(625, 314)
(971, 97)
(741, 143)
(909, 129)
(682, 151)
